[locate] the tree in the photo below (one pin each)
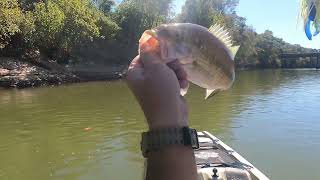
(49, 23)
(134, 19)
(133, 22)
(62, 25)
(157, 8)
(16, 28)
(104, 6)
(206, 12)
(11, 17)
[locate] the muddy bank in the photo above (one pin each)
(92, 72)
(15, 73)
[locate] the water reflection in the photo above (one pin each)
(43, 130)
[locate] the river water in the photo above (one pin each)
(92, 130)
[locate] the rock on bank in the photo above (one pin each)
(21, 74)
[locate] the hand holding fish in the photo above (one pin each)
(170, 56)
(206, 55)
(156, 86)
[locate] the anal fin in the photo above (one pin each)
(211, 93)
(184, 91)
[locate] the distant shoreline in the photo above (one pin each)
(15, 73)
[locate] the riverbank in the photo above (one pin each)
(15, 73)
(18, 73)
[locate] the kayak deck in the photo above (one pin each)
(214, 155)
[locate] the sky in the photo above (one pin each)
(279, 16)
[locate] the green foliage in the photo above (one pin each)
(11, 17)
(256, 50)
(61, 29)
(206, 12)
(28, 4)
(134, 18)
(131, 20)
(108, 28)
(157, 8)
(28, 26)
(80, 24)
(104, 6)
(49, 22)
(53, 26)
(197, 12)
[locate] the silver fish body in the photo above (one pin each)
(206, 54)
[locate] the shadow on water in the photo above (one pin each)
(92, 130)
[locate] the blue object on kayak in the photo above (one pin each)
(316, 33)
(308, 30)
(313, 12)
(311, 18)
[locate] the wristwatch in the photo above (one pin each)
(158, 139)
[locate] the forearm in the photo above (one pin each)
(172, 163)
(157, 89)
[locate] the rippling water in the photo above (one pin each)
(271, 117)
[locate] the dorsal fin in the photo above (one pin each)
(220, 33)
(223, 35)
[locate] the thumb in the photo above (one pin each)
(149, 56)
(150, 59)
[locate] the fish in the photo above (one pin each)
(207, 55)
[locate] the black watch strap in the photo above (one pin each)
(161, 138)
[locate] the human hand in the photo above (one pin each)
(156, 86)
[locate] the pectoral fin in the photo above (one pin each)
(211, 93)
(183, 92)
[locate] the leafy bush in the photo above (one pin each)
(62, 25)
(11, 17)
(108, 28)
(28, 27)
(80, 23)
(104, 6)
(134, 20)
(100, 30)
(49, 22)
